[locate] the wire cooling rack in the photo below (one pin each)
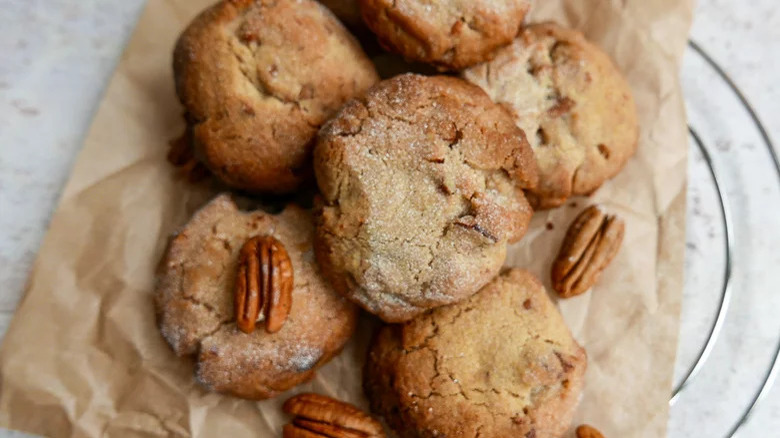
(708, 384)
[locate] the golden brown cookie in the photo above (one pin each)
(257, 79)
(195, 306)
(500, 364)
(574, 105)
(451, 34)
(348, 11)
(422, 187)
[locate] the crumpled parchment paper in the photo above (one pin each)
(84, 358)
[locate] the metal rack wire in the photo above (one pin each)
(726, 291)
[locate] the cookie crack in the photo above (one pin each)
(213, 311)
(574, 175)
(440, 370)
(200, 303)
(206, 336)
(463, 394)
(182, 295)
(375, 112)
(471, 25)
(262, 88)
(565, 365)
(401, 32)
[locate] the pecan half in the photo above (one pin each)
(264, 284)
(320, 416)
(591, 242)
(586, 431)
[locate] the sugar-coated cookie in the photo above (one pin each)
(450, 34)
(422, 187)
(195, 303)
(573, 104)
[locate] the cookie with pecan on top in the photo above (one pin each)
(195, 303)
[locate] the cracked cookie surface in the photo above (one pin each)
(573, 104)
(257, 79)
(451, 34)
(500, 364)
(422, 187)
(194, 303)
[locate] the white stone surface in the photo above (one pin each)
(56, 56)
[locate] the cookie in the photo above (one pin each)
(257, 79)
(574, 105)
(500, 364)
(195, 307)
(348, 11)
(422, 187)
(451, 34)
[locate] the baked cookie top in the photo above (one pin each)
(451, 34)
(422, 187)
(257, 79)
(573, 104)
(348, 11)
(194, 303)
(500, 364)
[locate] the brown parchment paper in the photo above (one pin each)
(83, 357)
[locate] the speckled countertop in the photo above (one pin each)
(57, 55)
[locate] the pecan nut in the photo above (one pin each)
(586, 431)
(264, 285)
(321, 416)
(591, 242)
